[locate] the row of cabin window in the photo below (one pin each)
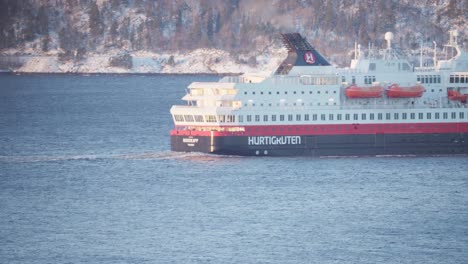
(288, 104)
(286, 92)
(363, 116)
(315, 117)
(458, 78)
(429, 78)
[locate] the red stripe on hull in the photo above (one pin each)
(345, 129)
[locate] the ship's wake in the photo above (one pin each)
(162, 155)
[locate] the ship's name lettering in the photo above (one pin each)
(190, 140)
(273, 140)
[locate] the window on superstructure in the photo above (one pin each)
(452, 79)
(294, 92)
(379, 116)
(396, 116)
(273, 118)
(245, 92)
(306, 117)
(371, 116)
(457, 79)
(210, 118)
(265, 118)
(454, 115)
(240, 118)
(290, 117)
(462, 79)
(298, 117)
(372, 66)
(461, 115)
(354, 80)
(343, 79)
(420, 116)
(231, 118)
(322, 116)
(281, 117)
(199, 118)
(179, 118)
(257, 118)
(418, 78)
(330, 117)
(277, 92)
(403, 116)
(249, 118)
(314, 117)
(338, 116)
(189, 118)
(436, 115)
(412, 115)
(387, 116)
(438, 79)
(221, 118)
(285, 92)
(261, 92)
(428, 115)
(347, 116)
(363, 116)
(445, 115)
(355, 117)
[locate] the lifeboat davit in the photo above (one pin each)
(396, 91)
(354, 91)
(457, 96)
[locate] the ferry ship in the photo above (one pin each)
(380, 105)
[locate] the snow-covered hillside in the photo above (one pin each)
(191, 36)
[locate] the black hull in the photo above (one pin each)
(325, 145)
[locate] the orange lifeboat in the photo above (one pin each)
(354, 91)
(396, 91)
(457, 96)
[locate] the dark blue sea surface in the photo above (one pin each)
(87, 176)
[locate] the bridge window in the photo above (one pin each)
(199, 118)
(179, 118)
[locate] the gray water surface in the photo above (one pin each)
(86, 176)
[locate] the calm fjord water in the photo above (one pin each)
(86, 176)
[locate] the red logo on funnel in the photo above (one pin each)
(309, 57)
